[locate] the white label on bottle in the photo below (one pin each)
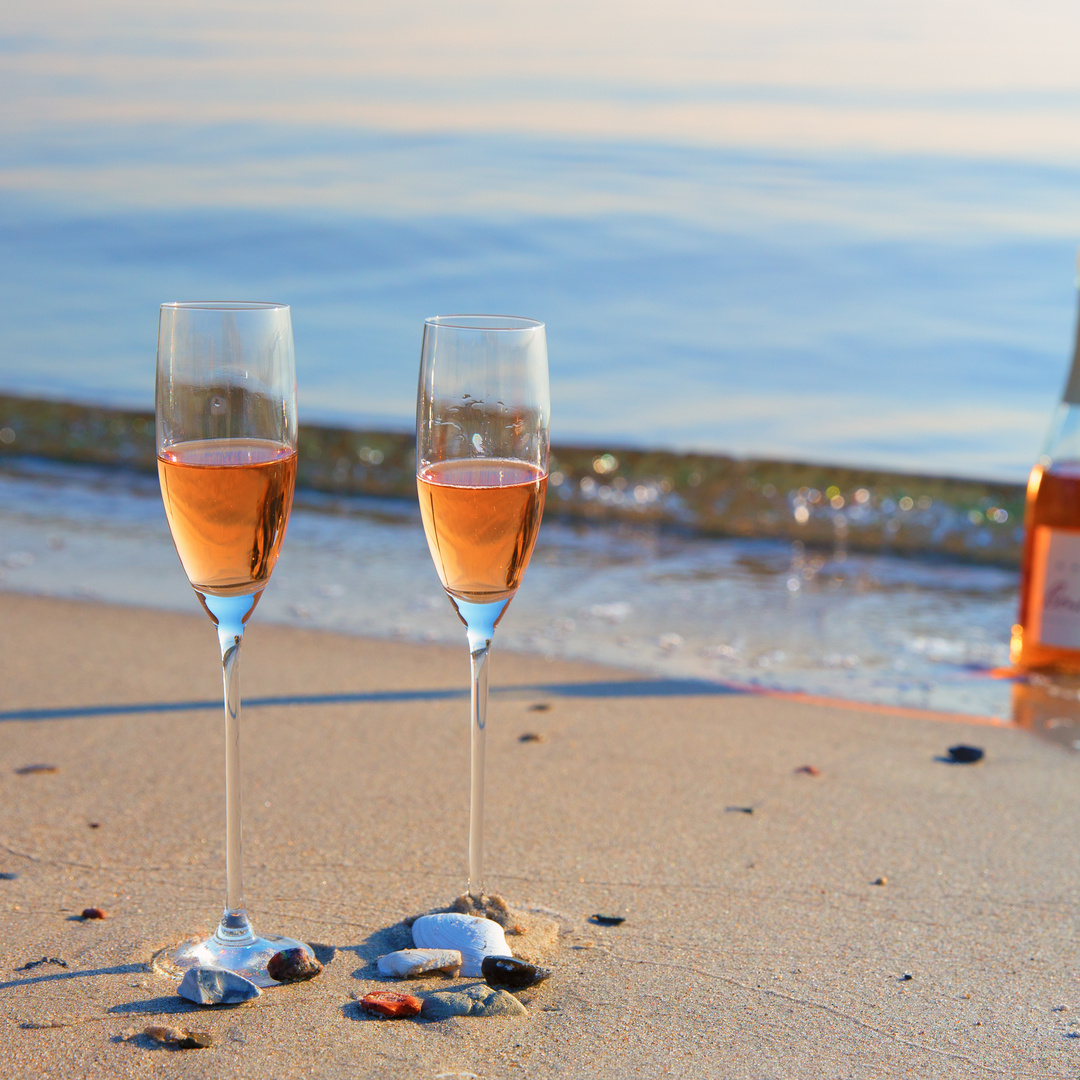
(1059, 588)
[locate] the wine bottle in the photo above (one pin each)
(1047, 632)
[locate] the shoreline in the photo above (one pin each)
(823, 507)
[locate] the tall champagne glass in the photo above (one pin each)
(226, 443)
(481, 470)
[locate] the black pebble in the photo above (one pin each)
(8, 876)
(509, 973)
(540, 706)
(739, 809)
(965, 755)
(292, 965)
(530, 736)
(30, 965)
(607, 920)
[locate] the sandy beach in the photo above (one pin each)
(756, 942)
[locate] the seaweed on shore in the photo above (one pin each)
(822, 506)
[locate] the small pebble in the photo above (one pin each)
(181, 1038)
(883, 880)
(540, 706)
(292, 965)
(509, 973)
(44, 960)
(389, 1005)
(94, 913)
(94, 824)
(26, 770)
(472, 1001)
(739, 809)
(906, 977)
(530, 736)
(212, 986)
(965, 755)
(607, 920)
(8, 876)
(810, 770)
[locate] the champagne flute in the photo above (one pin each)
(226, 447)
(482, 419)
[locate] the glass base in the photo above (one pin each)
(247, 958)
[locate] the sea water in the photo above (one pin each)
(743, 613)
(790, 231)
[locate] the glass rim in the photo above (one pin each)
(224, 305)
(484, 322)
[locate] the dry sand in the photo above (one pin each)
(755, 945)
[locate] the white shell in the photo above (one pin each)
(408, 963)
(474, 938)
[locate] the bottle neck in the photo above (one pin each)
(1072, 384)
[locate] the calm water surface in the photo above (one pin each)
(805, 233)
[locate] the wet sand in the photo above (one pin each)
(755, 943)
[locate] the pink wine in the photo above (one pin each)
(228, 502)
(1047, 633)
(481, 517)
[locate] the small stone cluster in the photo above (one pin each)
(453, 943)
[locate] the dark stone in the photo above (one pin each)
(739, 809)
(44, 960)
(965, 755)
(540, 706)
(293, 965)
(94, 913)
(607, 920)
(8, 876)
(213, 986)
(26, 770)
(509, 973)
(530, 736)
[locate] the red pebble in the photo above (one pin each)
(810, 770)
(94, 913)
(391, 1005)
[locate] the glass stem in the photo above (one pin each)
(230, 614)
(479, 648)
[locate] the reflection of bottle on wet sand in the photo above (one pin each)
(1047, 633)
(1049, 708)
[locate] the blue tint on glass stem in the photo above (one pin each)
(480, 621)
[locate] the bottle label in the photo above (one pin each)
(1055, 587)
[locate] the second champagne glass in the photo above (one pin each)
(226, 438)
(482, 420)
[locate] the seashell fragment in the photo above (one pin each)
(212, 986)
(474, 938)
(410, 963)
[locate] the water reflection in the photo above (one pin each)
(1049, 707)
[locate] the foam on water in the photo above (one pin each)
(760, 613)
